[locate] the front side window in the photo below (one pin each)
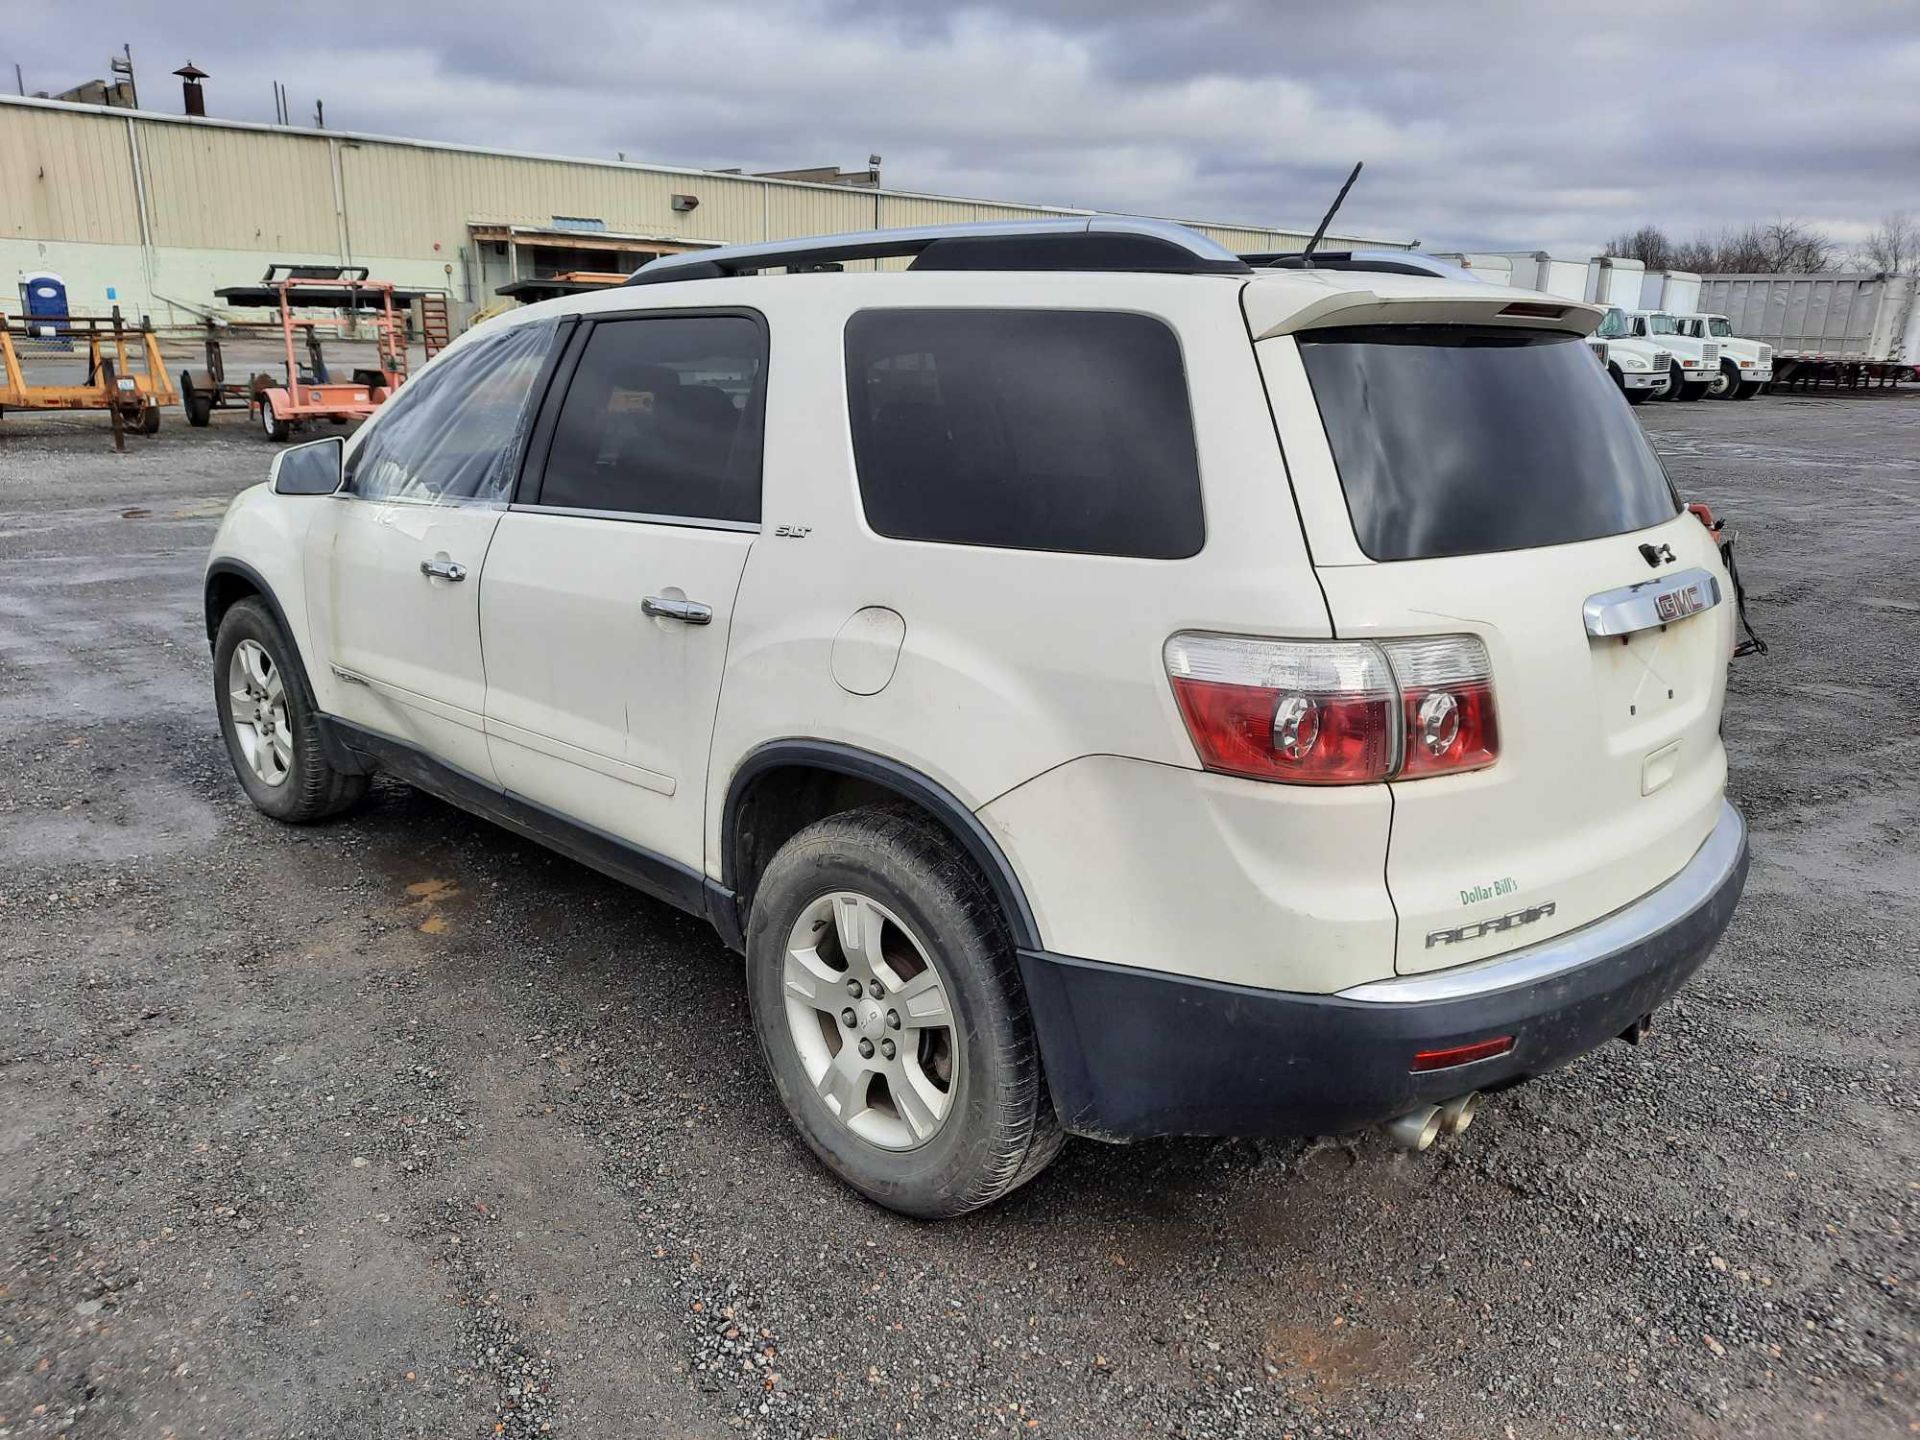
(1025, 429)
(1720, 329)
(1460, 440)
(662, 418)
(454, 435)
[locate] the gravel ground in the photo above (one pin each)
(401, 1126)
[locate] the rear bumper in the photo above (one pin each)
(1132, 1053)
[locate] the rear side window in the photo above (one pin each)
(1457, 441)
(662, 418)
(1025, 429)
(455, 434)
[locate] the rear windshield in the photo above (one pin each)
(1461, 441)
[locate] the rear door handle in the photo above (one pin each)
(667, 608)
(443, 569)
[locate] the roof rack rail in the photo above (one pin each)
(1391, 262)
(1095, 242)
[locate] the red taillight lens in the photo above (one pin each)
(1331, 712)
(1446, 705)
(1309, 712)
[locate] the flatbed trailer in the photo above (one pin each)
(311, 393)
(126, 376)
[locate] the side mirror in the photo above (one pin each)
(315, 468)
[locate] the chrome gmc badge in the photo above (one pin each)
(1678, 604)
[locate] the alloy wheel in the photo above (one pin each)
(257, 699)
(871, 1020)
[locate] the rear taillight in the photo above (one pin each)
(1335, 712)
(1446, 705)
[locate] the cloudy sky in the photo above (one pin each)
(1482, 125)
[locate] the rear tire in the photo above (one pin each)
(150, 418)
(267, 717)
(276, 429)
(890, 878)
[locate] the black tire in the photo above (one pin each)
(196, 402)
(1637, 397)
(276, 429)
(1680, 391)
(1728, 383)
(1749, 389)
(150, 418)
(312, 789)
(999, 1130)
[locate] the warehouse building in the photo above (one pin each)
(155, 212)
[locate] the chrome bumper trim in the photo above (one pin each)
(1712, 864)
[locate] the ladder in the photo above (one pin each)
(433, 324)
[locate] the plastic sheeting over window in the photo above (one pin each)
(454, 435)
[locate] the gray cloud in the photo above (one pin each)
(1493, 125)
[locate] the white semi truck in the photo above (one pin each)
(1641, 369)
(1746, 366)
(1695, 362)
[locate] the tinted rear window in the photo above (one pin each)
(1458, 441)
(1026, 429)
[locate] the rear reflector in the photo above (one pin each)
(1461, 1054)
(1335, 712)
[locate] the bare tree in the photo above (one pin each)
(1779, 246)
(1648, 244)
(1893, 246)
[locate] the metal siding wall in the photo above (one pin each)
(1243, 241)
(220, 189)
(401, 200)
(793, 210)
(66, 177)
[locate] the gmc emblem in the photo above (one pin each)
(1678, 604)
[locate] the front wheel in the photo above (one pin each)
(887, 1000)
(1726, 384)
(267, 718)
(1750, 388)
(276, 428)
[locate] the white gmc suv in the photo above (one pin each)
(1101, 685)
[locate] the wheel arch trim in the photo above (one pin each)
(910, 784)
(240, 570)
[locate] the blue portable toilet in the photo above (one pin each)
(44, 294)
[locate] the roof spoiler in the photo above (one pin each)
(1343, 308)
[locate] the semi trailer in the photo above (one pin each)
(1846, 329)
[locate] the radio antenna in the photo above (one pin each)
(1332, 210)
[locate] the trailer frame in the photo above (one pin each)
(281, 406)
(132, 395)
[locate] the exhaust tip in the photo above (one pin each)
(1457, 1114)
(1415, 1130)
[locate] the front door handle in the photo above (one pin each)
(667, 608)
(443, 569)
